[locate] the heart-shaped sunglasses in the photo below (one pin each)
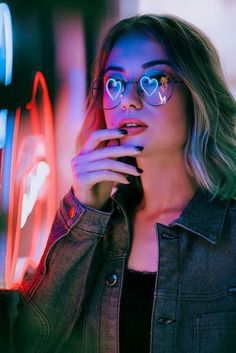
(155, 88)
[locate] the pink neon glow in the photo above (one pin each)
(70, 65)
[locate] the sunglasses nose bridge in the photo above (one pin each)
(130, 88)
(130, 95)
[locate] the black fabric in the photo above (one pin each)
(136, 310)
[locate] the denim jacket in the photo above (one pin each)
(71, 303)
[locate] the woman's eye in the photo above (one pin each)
(149, 85)
(113, 88)
(114, 82)
(116, 78)
(156, 77)
(162, 79)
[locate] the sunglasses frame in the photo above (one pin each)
(124, 83)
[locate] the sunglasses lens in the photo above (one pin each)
(112, 92)
(155, 88)
(107, 92)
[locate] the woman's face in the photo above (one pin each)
(133, 56)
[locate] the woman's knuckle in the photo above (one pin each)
(109, 164)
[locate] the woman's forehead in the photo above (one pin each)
(135, 49)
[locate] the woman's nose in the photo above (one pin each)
(130, 97)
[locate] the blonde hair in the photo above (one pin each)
(210, 150)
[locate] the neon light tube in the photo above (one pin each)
(6, 45)
(3, 127)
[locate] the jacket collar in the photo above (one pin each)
(202, 216)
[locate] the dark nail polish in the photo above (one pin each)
(123, 131)
(140, 170)
(139, 148)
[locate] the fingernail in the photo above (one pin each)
(123, 131)
(139, 148)
(140, 170)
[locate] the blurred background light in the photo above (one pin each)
(6, 49)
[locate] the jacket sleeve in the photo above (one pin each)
(53, 297)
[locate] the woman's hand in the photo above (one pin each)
(95, 169)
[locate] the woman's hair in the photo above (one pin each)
(210, 150)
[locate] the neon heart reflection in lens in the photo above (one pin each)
(149, 85)
(113, 88)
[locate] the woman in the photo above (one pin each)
(142, 253)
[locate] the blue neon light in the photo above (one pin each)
(6, 45)
(3, 127)
(6, 177)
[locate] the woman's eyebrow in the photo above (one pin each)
(144, 66)
(114, 68)
(156, 62)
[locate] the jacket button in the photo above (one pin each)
(71, 212)
(163, 321)
(111, 280)
(169, 235)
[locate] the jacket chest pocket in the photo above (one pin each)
(215, 333)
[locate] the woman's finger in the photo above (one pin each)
(88, 180)
(109, 164)
(107, 152)
(98, 136)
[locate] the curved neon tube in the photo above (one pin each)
(6, 44)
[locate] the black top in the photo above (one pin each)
(136, 311)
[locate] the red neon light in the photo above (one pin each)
(41, 132)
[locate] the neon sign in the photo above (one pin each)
(35, 181)
(6, 45)
(6, 61)
(27, 171)
(28, 185)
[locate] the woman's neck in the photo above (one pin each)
(167, 186)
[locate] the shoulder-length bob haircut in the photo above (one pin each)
(210, 150)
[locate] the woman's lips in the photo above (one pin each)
(135, 130)
(129, 121)
(133, 126)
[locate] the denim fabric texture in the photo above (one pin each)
(71, 303)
